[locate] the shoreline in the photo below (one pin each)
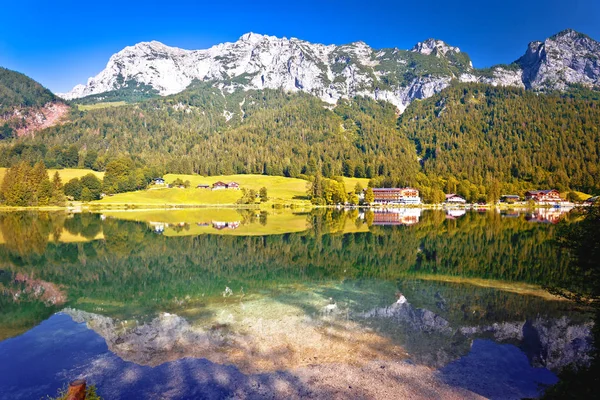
(99, 207)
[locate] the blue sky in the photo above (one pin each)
(62, 43)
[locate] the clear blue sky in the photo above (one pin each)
(62, 43)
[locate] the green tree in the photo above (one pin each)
(45, 192)
(369, 196)
(90, 159)
(358, 189)
(73, 188)
(93, 184)
(263, 194)
(86, 194)
(58, 196)
(71, 157)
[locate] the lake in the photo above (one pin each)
(228, 303)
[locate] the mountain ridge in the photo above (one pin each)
(332, 72)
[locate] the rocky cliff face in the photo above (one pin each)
(566, 58)
(265, 62)
(332, 72)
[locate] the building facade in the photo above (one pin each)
(396, 196)
(455, 199)
(550, 196)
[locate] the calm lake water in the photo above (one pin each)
(198, 303)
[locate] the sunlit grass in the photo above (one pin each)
(86, 107)
(280, 190)
(66, 174)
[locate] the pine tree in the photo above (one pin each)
(369, 196)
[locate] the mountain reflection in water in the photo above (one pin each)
(282, 290)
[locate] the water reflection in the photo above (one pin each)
(399, 216)
(324, 287)
(543, 215)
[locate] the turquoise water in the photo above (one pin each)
(95, 295)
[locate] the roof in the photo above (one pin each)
(545, 191)
(512, 196)
(219, 183)
(386, 189)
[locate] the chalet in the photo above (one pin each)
(219, 185)
(396, 196)
(454, 199)
(159, 181)
(203, 186)
(509, 198)
(550, 196)
(222, 185)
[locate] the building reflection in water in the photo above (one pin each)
(396, 216)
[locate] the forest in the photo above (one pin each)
(472, 139)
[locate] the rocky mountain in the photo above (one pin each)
(332, 72)
(26, 106)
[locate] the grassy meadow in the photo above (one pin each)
(86, 107)
(280, 190)
(65, 174)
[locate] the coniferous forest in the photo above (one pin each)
(471, 139)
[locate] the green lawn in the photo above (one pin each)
(279, 190)
(278, 187)
(65, 174)
(351, 183)
(166, 196)
(86, 107)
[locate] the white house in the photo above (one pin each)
(454, 199)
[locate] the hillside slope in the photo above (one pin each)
(26, 106)
(484, 135)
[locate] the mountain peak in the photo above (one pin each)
(252, 37)
(153, 46)
(434, 46)
(569, 34)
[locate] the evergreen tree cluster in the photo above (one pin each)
(325, 191)
(18, 90)
(24, 186)
(478, 141)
